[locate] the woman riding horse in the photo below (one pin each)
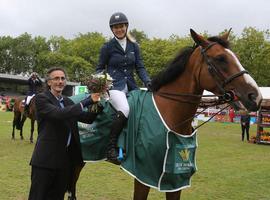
(120, 57)
(33, 82)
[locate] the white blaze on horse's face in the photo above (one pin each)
(247, 77)
(248, 80)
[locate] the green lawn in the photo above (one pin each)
(228, 169)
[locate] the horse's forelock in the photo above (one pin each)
(222, 42)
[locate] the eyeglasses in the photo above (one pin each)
(57, 78)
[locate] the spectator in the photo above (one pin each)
(245, 124)
(231, 114)
(57, 150)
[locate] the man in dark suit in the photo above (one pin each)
(245, 123)
(57, 149)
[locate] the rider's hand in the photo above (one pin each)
(95, 97)
(149, 85)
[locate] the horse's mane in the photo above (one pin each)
(178, 64)
(173, 69)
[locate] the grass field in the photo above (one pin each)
(228, 169)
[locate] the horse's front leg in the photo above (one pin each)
(140, 191)
(13, 131)
(16, 123)
(173, 195)
(32, 130)
(21, 126)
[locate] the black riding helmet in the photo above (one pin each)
(118, 18)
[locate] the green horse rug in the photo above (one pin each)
(155, 155)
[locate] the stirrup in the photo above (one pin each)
(120, 155)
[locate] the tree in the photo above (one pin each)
(253, 48)
(6, 65)
(86, 46)
(157, 53)
(138, 35)
(40, 45)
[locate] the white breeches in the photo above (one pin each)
(28, 99)
(119, 101)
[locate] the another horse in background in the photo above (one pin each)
(177, 91)
(20, 116)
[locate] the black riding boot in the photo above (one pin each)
(117, 126)
(26, 107)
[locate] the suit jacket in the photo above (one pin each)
(54, 125)
(121, 64)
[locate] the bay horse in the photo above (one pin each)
(177, 90)
(20, 116)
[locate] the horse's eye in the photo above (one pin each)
(220, 59)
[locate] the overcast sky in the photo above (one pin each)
(157, 18)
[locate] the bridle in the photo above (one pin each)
(219, 78)
(221, 81)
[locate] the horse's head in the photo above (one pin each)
(221, 72)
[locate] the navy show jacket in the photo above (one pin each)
(33, 84)
(121, 64)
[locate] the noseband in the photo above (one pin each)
(219, 78)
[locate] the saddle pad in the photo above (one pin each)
(155, 155)
(94, 137)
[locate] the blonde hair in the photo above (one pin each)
(130, 37)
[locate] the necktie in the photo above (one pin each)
(61, 102)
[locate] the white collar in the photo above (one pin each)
(122, 42)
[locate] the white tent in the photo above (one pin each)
(265, 92)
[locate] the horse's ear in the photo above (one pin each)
(198, 39)
(225, 36)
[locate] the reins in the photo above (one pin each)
(183, 122)
(222, 99)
